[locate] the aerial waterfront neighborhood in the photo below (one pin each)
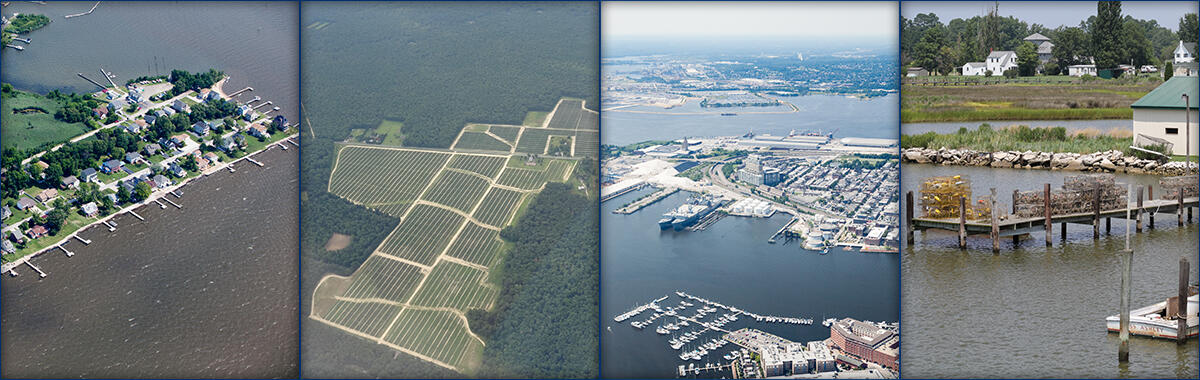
(150, 137)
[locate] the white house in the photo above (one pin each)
(1185, 52)
(996, 62)
(1081, 70)
(974, 68)
(1161, 114)
(999, 61)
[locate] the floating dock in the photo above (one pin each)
(111, 227)
(81, 239)
(255, 162)
(160, 204)
(172, 203)
(64, 249)
(135, 214)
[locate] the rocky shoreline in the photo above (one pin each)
(1112, 161)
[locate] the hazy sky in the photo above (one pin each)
(748, 19)
(1052, 14)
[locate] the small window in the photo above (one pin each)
(1172, 131)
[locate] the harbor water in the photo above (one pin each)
(840, 115)
(731, 263)
(1032, 311)
(255, 43)
(206, 290)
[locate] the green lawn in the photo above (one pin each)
(73, 223)
(391, 130)
(534, 118)
(33, 128)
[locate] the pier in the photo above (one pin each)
(173, 192)
(18, 47)
(706, 221)
(111, 227)
(108, 76)
(639, 204)
(81, 239)
(255, 162)
(35, 269)
(783, 231)
(25, 40)
(172, 203)
(292, 142)
(64, 249)
(1015, 226)
(89, 80)
(239, 92)
(84, 13)
(160, 204)
(623, 192)
(708, 367)
(260, 105)
(135, 214)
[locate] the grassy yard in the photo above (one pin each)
(73, 223)
(391, 130)
(1022, 138)
(1061, 100)
(29, 122)
(534, 118)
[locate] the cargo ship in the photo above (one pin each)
(689, 212)
(1151, 321)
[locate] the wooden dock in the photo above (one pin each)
(1015, 226)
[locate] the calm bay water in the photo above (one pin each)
(844, 117)
(255, 43)
(208, 290)
(730, 262)
(1033, 311)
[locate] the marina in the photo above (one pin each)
(687, 330)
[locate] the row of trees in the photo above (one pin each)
(184, 80)
(1109, 37)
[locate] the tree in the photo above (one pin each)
(1137, 49)
(1188, 28)
(1106, 30)
(1070, 47)
(123, 194)
(1012, 73)
(1168, 71)
(1027, 59)
(142, 190)
(928, 52)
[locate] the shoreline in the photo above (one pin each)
(1111, 161)
(159, 193)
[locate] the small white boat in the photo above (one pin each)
(1149, 321)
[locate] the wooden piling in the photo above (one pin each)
(1063, 228)
(1046, 204)
(962, 222)
(1181, 302)
(1096, 213)
(995, 224)
(1139, 209)
(1126, 277)
(1150, 197)
(1179, 211)
(908, 207)
(1016, 238)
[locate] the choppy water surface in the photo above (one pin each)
(208, 290)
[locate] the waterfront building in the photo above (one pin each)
(866, 341)
(1161, 114)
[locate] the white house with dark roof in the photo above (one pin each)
(89, 175)
(999, 61)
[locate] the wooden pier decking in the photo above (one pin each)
(1016, 226)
